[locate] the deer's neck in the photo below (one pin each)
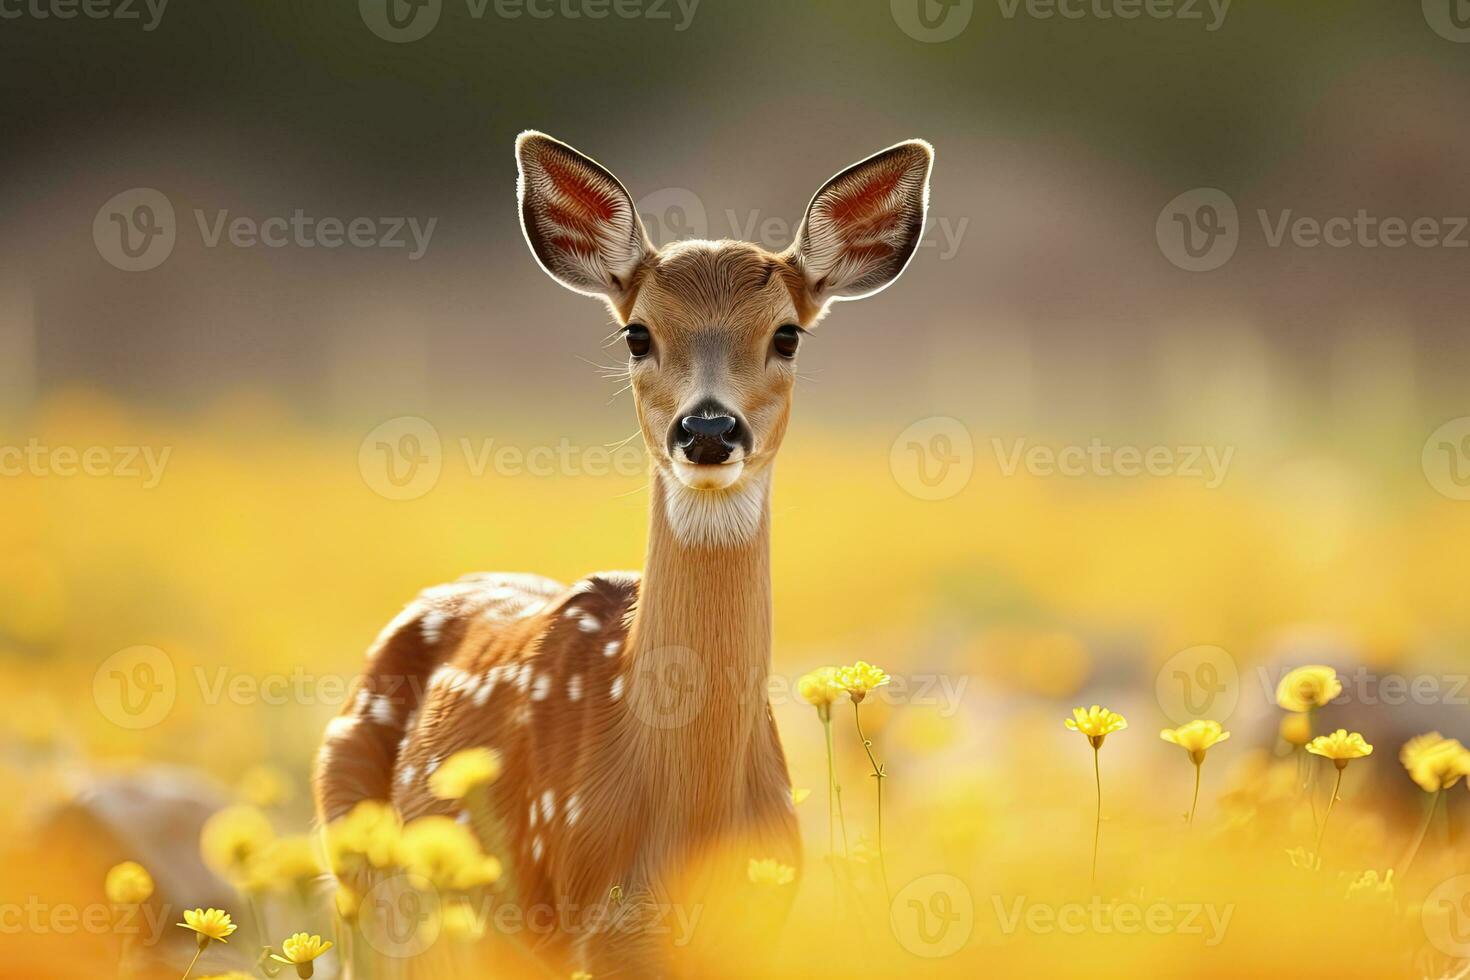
(701, 635)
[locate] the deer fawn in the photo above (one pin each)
(641, 762)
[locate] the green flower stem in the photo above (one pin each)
(879, 774)
(197, 953)
(1419, 837)
(1195, 804)
(1322, 830)
(834, 788)
(1097, 825)
(257, 912)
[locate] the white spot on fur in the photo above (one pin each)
(617, 688)
(532, 820)
(430, 766)
(406, 774)
(454, 680)
(382, 711)
(537, 847)
(340, 727)
(523, 677)
(589, 624)
(548, 805)
(612, 648)
(432, 626)
(574, 808)
(542, 688)
(574, 687)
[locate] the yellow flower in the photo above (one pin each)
(1370, 888)
(798, 796)
(461, 922)
(463, 772)
(264, 786)
(581, 975)
(770, 873)
(300, 949)
(1296, 729)
(233, 841)
(1435, 762)
(129, 884)
(1196, 738)
(821, 687)
(1340, 747)
(1308, 687)
(289, 862)
(860, 678)
(367, 837)
(208, 924)
(1096, 723)
(447, 853)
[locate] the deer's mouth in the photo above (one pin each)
(718, 476)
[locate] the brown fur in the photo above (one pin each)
(641, 758)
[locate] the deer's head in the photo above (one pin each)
(713, 328)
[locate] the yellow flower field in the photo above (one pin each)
(204, 630)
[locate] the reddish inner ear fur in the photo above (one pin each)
(865, 204)
(596, 203)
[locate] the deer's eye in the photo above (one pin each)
(787, 340)
(640, 341)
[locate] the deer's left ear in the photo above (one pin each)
(864, 225)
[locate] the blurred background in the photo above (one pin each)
(274, 356)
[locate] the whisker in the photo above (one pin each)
(616, 368)
(638, 490)
(622, 442)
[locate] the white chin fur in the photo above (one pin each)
(708, 477)
(723, 517)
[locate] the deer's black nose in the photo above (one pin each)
(707, 440)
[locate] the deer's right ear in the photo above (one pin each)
(578, 218)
